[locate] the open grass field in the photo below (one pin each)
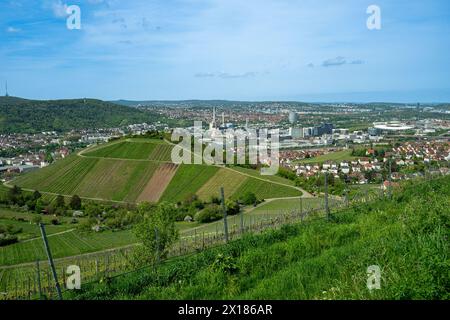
(343, 155)
(320, 259)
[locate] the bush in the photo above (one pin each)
(7, 239)
(249, 198)
(209, 214)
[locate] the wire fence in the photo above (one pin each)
(35, 280)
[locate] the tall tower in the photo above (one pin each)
(223, 119)
(6, 88)
(212, 125)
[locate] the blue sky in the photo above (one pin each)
(304, 50)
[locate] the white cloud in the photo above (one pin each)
(59, 9)
(13, 30)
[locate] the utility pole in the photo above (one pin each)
(50, 260)
(390, 179)
(327, 209)
(38, 278)
(157, 245)
(242, 221)
(225, 223)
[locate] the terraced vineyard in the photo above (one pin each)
(124, 170)
(116, 180)
(134, 149)
(230, 180)
(63, 245)
(187, 181)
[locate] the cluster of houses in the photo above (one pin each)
(359, 169)
(354, 169)
(427, 151)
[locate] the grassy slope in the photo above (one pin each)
(108, 172)
(187, 181)
(407, 237)
(257, 174)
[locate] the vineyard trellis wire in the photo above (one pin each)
(27, 282)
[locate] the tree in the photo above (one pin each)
(156, 232)
(249, 198)
(75, 202)
(233, 207)
(36, 219)
(14, 194)
(36, 195)
(59, 202)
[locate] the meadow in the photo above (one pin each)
(405, 236)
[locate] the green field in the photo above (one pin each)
(119, 171)
(116, 180)
(134, 149)
(265, 190)
(343, 155)
(63, 245)
(257, 174)
(187, 181)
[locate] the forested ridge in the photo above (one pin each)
(30, 116)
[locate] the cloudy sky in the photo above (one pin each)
(304, 50)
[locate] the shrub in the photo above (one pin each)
(209, 214)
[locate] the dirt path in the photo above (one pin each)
(48, 236)
(8, 185)
(305, 194)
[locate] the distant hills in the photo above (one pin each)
(22, 115)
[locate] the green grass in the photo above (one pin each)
(137, 149)
(61, 177)
(257, 174)
(229, 180)
(343, 155)
(124, 150)
(407, 237)
(265, 190)
(116, 180)
(286, 205)
(187, 181)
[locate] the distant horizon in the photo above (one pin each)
(236, 100)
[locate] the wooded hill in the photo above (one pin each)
(21, 115)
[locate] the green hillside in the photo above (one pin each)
(132, 169)
(20, 115)
(406, 236)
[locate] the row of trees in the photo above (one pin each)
(33, 201)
